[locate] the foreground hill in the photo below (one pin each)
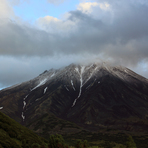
(14, 135)
(94, 97)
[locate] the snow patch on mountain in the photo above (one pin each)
(45, 90)
(52, 75)
(23, 117)
(91, 74)
(24, 102)
(77, 69)
(42, 82)
(88, 86)
(73, 85)
(74, 102)
(81, 80)
(66, 88)
(24, 105)
(82, 69)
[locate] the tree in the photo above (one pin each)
(130, 143)
(25, 144)
(81, 144)
(35, 145)
(57, 141)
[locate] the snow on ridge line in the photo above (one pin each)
(77, 70)
(82, 69)
(52, 75)
(40, 84)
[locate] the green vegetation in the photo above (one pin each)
(57, 141)
(81, 144)
(130, 143)
(14, 135)
(50, 124)
(104, 139)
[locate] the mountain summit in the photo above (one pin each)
(92, 96)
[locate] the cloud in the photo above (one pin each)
(56, 2)
(123, 34)
(15, 70)
(114, 31)
(87, 7)
(17, 2)
(6, 10)
(57, 27)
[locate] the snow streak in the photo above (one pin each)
(74, 102)
(81, 82)
(23, 116)
(52, 75)
(73, 85)
(41, 83)
(45, 90)
(88, 86)
(66, 87)
(24, 102)
(91, 74)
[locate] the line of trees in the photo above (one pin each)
(57, 141)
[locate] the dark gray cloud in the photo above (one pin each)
(15, 70)
(118, 34)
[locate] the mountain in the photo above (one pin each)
(93, 97)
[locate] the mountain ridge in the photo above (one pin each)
(94, 95)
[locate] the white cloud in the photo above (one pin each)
(86, 7)
(56, 26)
(104, 6)
(6, 11)
(100, 11)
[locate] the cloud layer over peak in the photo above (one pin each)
(114, 31)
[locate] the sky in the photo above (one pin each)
(39, 35)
